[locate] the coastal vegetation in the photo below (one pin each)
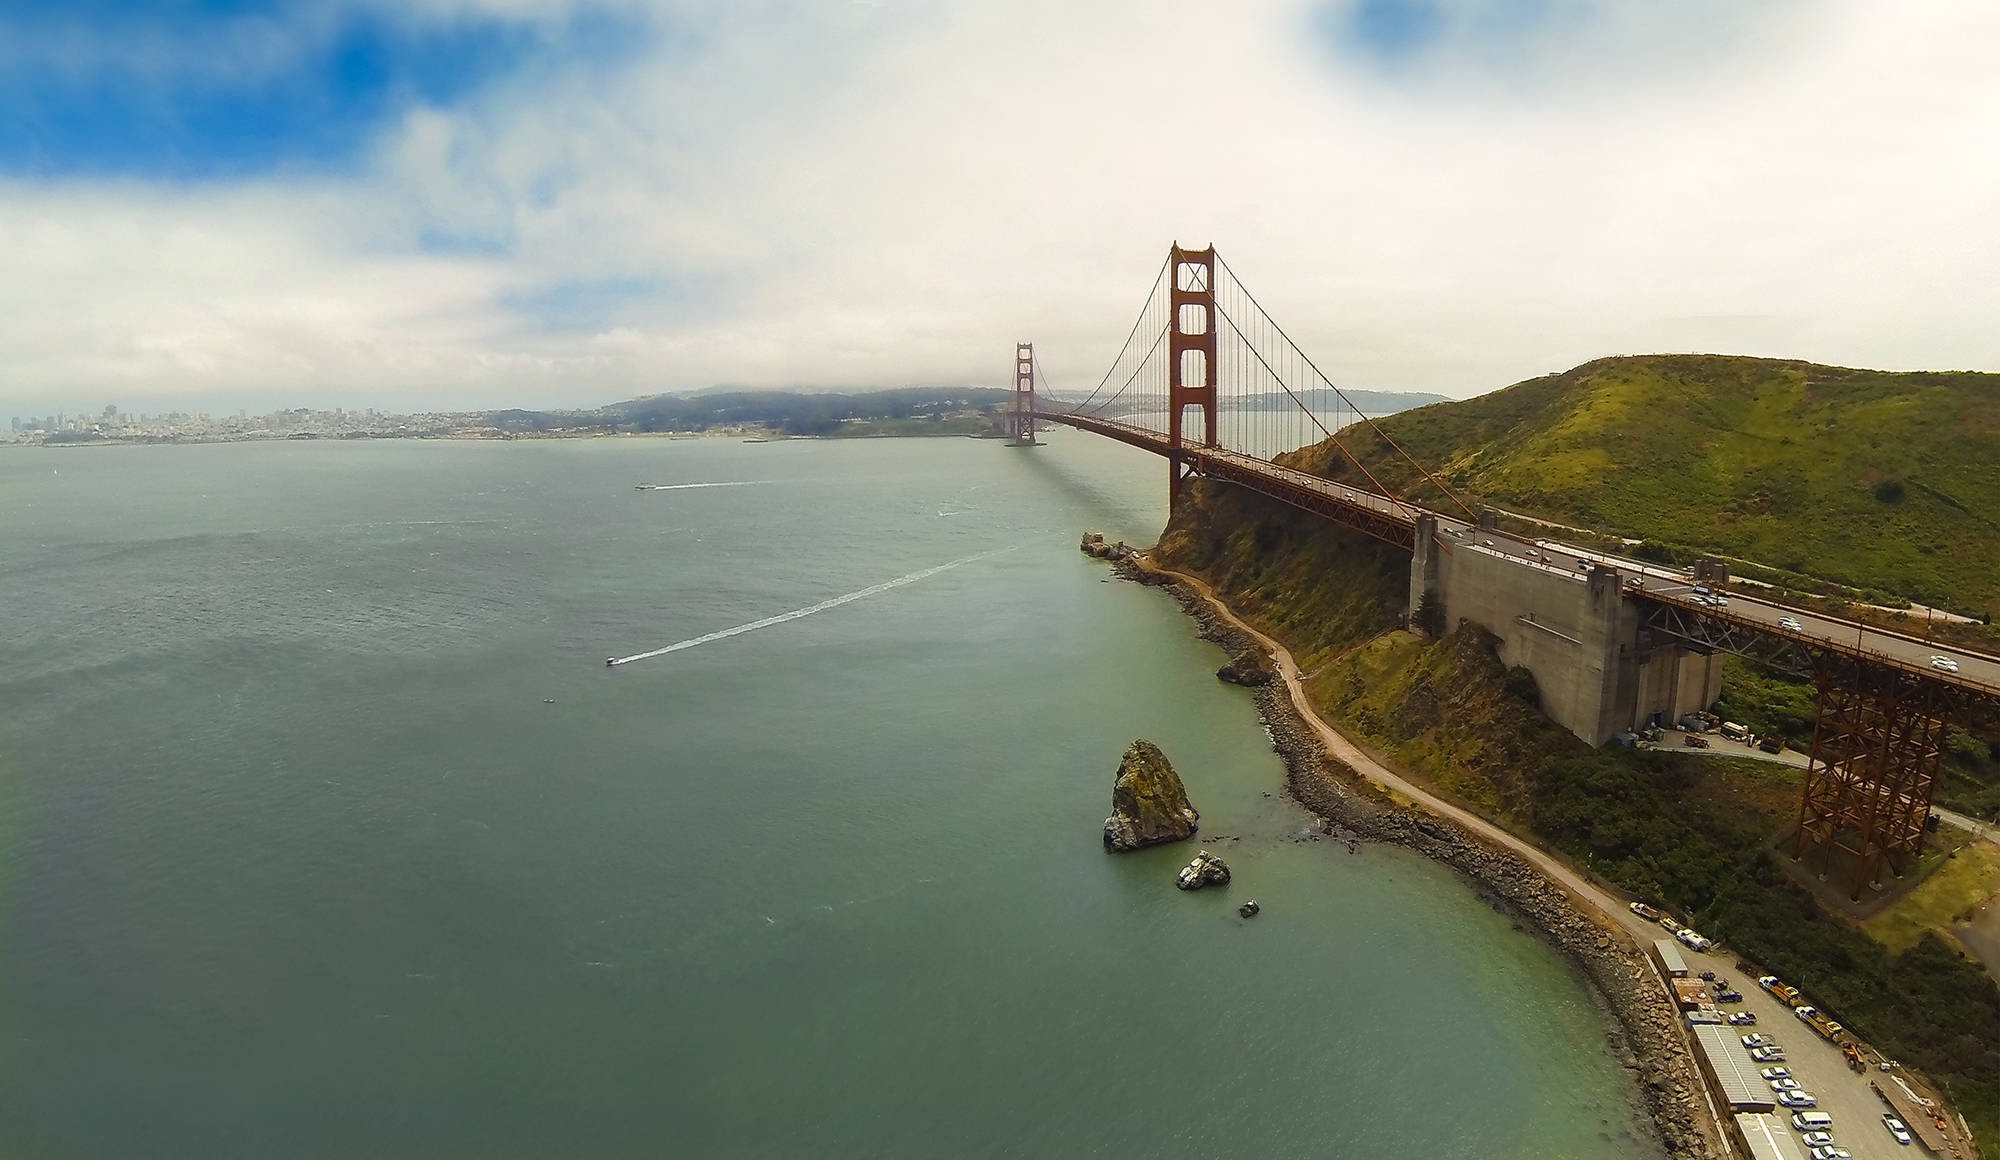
(1878, 482)
(1698, 835)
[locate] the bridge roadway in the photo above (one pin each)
(1395, 521)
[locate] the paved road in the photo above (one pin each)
(1817, 1064)
(1666, 585)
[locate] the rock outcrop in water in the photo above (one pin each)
(1148, 803)
(1205, 870)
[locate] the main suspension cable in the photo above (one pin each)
(1372, 425)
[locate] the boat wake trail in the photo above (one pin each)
(686, 486)
(797, 613)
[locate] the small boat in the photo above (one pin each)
(610, 662)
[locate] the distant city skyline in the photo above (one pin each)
(452, 204)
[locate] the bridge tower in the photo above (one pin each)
(1024, 394)
(1190, 356)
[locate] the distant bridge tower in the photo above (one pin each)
(1190, 356)
(1024, 394)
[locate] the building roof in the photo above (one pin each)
(1742, 1088)
(1768, 1138)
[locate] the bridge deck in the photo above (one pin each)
(1727, 627)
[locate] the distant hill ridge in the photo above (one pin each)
(1877, 479)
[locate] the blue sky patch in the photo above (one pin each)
(1395, 33)
(194, 89)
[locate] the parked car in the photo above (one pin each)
(1771, 1054)
(1758, 1039)
(1798, 1099)
(1771, 744)
(1695, 741)
(1817, 1139)
(1896, 1128)
(1692, 939)
(1743, 1018)
(1784, 1084)
(1645, 912)
(1776, 1072)
(1829, 1152)
(1726, 995)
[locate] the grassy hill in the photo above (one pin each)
(1877, 480)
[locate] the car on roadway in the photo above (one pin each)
(1742, 1018)
(1785, 1084)
(1896, 1128)
(1758, 1039)
(1776, 1073)
(1798, 1099)
(1583, 565)
(1817, 1139)
(1771, 1054)
(1790, 624)
(1944, 664)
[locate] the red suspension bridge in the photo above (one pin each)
(1208, 381)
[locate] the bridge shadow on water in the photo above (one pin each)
(1115, 506)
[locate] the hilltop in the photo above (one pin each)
(1882, 481)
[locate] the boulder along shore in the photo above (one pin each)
(1349, 806)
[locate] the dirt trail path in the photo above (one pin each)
(1581, 890)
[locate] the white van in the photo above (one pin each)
(1812, 1121)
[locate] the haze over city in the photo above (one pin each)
(552, 203)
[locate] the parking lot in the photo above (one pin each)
(1817, 1064)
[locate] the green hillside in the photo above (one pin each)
(1877, 480)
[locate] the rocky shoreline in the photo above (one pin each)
(1652, 1046)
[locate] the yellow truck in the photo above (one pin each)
(1813, 1018)
(1786, 993)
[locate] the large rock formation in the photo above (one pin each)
(1148, 803)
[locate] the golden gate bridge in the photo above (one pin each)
(1208, 381)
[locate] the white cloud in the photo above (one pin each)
(846, 194)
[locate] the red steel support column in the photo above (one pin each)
(1190, 380)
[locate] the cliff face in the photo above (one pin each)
(1319, 588)
(1446, 710)
(1148, 803)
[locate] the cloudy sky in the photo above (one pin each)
(443, 203)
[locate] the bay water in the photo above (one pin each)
(325, 830)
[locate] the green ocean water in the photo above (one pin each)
(297, 859)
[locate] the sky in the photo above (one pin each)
(440, 204)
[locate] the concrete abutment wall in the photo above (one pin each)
(1598, 673)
